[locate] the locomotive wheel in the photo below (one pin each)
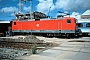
(68, 36)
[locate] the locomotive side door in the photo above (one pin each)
(59, 26)
(20, 27)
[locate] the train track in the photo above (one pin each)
(24, 45)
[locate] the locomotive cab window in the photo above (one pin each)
(68, 21)
(88, 25)
(14, 23)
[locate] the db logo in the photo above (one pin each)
(37, 25)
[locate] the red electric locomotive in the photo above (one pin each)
(60, 26)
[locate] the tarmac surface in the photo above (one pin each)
(69, 49)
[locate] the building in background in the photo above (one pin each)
(4, 27)
(85, 17)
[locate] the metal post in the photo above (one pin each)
(49, 12)
(31, 9)
(20, 6)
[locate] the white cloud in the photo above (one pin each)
(76, 15)
(12, 14)
(61, 3)
(27, 8)
(9, 9)
(67, 5)
(44, 6)
(63, 14)
(73, 5)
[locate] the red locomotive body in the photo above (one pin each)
(54, 27)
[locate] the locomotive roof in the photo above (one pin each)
(46, 19)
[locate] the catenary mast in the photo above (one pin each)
(20, 6)
(31, 9)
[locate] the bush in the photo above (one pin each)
(34, 49)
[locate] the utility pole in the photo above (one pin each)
(49, 12)
(31, 9)
(20, 5)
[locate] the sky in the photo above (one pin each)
(8, 8)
